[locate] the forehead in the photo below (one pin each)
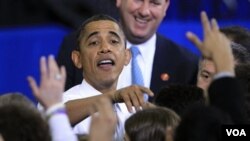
(103, 26)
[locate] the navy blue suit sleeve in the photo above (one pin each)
(227, 95)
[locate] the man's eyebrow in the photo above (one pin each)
(92, 34)
(115, 34)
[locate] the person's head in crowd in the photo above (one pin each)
(141, 19)
(207, 69)
(150, 124)
(101, 52)
(180, 97)
(238, 34)
(16, 98)
(201, 123)
(242, 73)
(21, 121)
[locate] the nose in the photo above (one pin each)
(104, 48)
(144, 9)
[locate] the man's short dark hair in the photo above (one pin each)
(179, 97)
(94, 18)
(238, 34)
(240, 53)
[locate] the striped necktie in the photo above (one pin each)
(137, 77)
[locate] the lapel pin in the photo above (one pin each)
(164, 77)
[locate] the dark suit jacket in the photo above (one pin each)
(227, 95)
(179, 63)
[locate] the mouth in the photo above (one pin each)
(141, 20)
(105, 63)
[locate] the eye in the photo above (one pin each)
(206, 76)
(155, 2)
(114, 41)
(93, 43)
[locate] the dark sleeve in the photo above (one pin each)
(227, 95)
(74, 75)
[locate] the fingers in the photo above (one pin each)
(205, 23)
(52, 66)
(43, 68)
(137, 99)
(33, 86)
(50, 90)
(214, 24)
(194, 39)
(146, 91)
(128, 103)
(63, 73)
(133, 96)
(141, 93)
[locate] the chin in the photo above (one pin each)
(109, 81)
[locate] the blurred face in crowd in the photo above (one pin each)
(205, 74)
(102, 54)
(141, 18)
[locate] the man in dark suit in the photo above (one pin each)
(160, 60)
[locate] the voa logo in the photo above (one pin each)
(236, 132)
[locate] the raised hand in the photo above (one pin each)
(215, 45)
(52, 81)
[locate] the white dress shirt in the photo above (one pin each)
(85, 90)
(145, 61)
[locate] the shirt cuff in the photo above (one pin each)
(223, 74)
(58, 108)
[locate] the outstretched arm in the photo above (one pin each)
(131, 96)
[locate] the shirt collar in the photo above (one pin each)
(146, 47)
(88, 89)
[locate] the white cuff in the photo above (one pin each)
(57, 108)
(223, 74)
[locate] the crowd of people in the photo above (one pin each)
(121, 80)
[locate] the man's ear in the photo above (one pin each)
(118, 3)
(166, 7)
(127, 56)
(76, 58)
